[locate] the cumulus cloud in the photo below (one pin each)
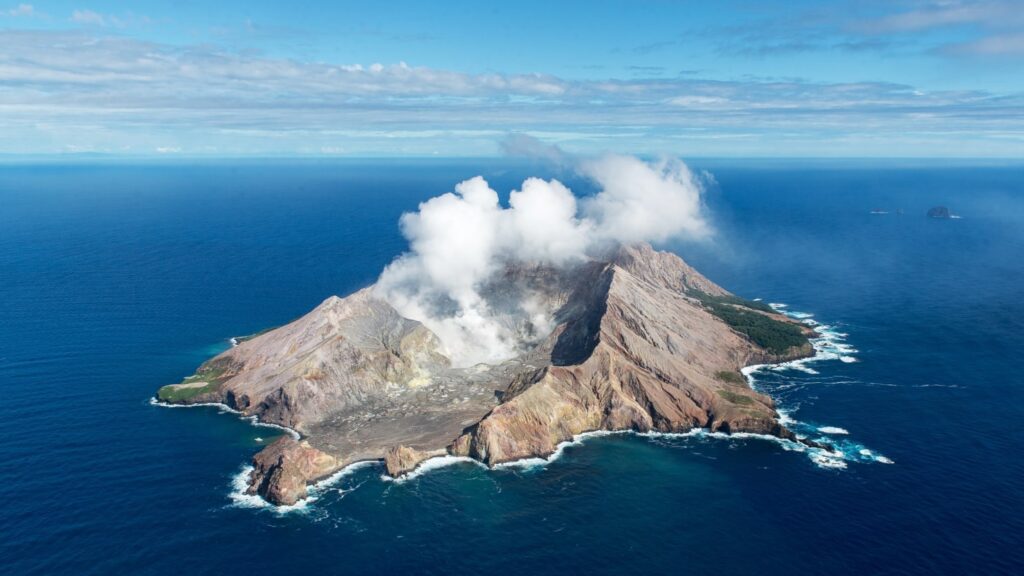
(460, 240)
(640, 201)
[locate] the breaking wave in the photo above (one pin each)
(240, 483)
(225, 409)
(576, 440)
(829, 344)
(434, 463)
(239, 498)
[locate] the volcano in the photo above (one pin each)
(637, 340)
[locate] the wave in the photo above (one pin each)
(439, 462)
(239, 498)
(225, 409)
(240, 483)
(829, 344)
(819, 455)
(346, 471)
(577, 440)
(829, 460)
(433, 463)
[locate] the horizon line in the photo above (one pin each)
(14, 158)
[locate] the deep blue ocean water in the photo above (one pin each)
(116, 279)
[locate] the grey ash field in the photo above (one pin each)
(642, 342)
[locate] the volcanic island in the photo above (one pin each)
(641, 341)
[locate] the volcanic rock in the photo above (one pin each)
(631, 349)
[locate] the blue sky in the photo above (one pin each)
(915, 78)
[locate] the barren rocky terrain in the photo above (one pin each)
(641, 341)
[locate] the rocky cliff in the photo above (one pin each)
(637, 345)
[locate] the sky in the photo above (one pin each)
(731, 78)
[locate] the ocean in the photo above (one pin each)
(117, 278)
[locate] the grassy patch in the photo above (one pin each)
(730, 377)
(189, 388)
(240, 339)
(733, 300)
(735, 398)
(745, 316)
(177, 393)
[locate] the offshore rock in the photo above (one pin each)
(282, 470)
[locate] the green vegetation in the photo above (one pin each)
(730, 377)
(240, 339)
(179, 393)
(735, 398)
(747, 317)
(708, 299)
(207, 379)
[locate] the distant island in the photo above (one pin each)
(940, 212)
(641, 341)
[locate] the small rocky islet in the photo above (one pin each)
(641, 342)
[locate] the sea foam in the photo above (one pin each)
(225, 409)
(430, 464)
(829, 344)
(240, 483)
(577, 440)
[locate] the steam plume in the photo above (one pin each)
(459, 240)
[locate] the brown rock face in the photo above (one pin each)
(282, 470)
(400, 460)
(648, 363)
(630, 351)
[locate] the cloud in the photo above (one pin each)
(115, 93)
(647, 70)
(519, 145)
(653, 47)
(21, 10)
(939, 14)
(459, 242)
(981, 29)
(995, 27)
(998, 45)
(91, 18)
(88, 17)
(644, 202)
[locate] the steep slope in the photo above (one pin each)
(654, 363)
(632, 348)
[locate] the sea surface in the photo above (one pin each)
(118, 278)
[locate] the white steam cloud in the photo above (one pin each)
(459, 240)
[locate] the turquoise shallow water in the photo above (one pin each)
(115, 279)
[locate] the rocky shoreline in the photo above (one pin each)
(633, 349)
